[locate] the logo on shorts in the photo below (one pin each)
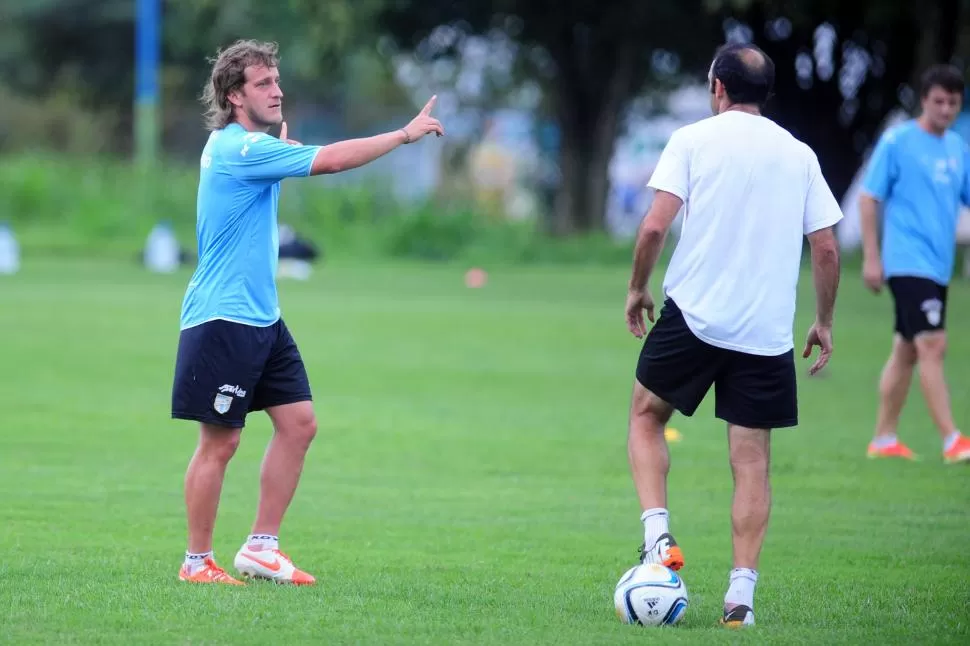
(933, 308)
(222, 404)
(235, 390)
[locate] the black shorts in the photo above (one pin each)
(224, 370)
(920, 305)
(751, 390)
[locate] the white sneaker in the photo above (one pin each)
(272, 565)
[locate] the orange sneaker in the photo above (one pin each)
(273, 565)
(895, 450)
(208, 573)
(959, 452)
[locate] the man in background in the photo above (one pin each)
(919, 174)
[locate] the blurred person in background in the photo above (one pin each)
(918, 176)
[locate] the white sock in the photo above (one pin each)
(884, 441)
(260, 542)
(950, 440)
(654, 525)
(195, 562)
(741, 590)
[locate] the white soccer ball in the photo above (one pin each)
(650, 595)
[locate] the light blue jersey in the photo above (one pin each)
(236, 226)
(921, 179)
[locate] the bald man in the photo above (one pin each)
(752, 193)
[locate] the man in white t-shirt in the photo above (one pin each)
(752, 192)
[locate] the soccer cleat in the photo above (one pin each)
(272, 565)
(959, 452)
(738, 617)
(665, 551)
(208, 573)
(895, 450)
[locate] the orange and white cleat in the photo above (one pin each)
(895, 450)
(270, 564)
(959, 452)
(665, 551)
(208, 573)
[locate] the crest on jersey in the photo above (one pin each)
(222, 403)
(933, 308)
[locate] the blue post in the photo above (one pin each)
(147, 54)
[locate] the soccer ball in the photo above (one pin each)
(650, 595)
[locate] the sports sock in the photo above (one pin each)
(654, 525)
(950, 440)
(884, 441)
(741, 590)
(260, 542)
(195, 562)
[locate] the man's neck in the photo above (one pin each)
(925, 125)
(743, 107)
(248, 124)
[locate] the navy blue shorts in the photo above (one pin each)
(224, 370)
(750, 390)
(920, 305)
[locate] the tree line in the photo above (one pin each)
(842, 66)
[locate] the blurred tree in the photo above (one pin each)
(589, 59)
(86, 43)
(82, 52)
(842, 67)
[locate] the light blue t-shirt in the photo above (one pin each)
(236, 226)
(921, 180)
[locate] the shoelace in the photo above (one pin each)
(218, 574)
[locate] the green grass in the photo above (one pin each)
(469, 482)
(64, 206)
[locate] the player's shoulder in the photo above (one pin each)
(700, 128)
(691, 135)
(234, 140)
(955, 140)
(782, 140)
(900, 131)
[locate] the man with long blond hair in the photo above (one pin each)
(235, 353)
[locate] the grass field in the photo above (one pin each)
(469, 482)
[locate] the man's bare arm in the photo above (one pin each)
(651, 237)
(825, 271)
(869, 221)
(352, 153)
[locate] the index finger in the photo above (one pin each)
(283, 132)
(426, 110)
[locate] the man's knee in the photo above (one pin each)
(647, 404)
(904, 352)
(750, 448)
(219, 442)
(296, 422)
(930, 346)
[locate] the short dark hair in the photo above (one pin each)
(748, 74)
(947, 77)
